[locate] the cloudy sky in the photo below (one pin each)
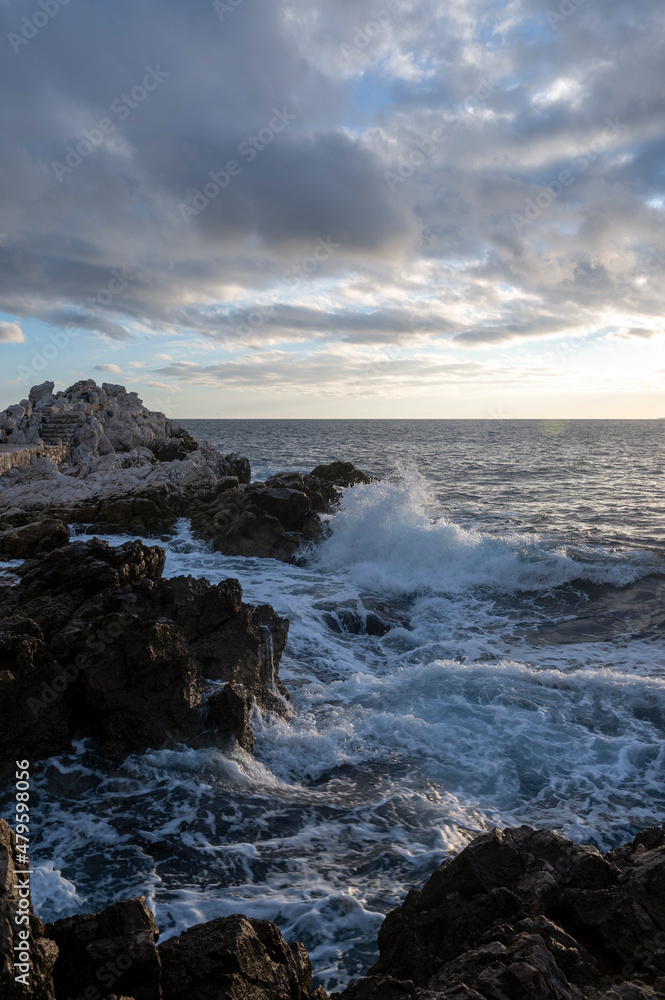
(428, 208)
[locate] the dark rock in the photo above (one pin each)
(235, 957)
(33, 539)
(367, 616)
(96, 642)
(340, 473)
(231, 709)
(114, 950)
(275, 519)
(38, 983)
(527, 914)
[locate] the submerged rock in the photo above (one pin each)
(97, 643)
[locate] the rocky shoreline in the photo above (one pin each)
(97, 643)
(521, 914)
(130, 471)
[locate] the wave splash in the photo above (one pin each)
(384, 537)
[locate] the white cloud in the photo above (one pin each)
(11, 333)
(114, 369)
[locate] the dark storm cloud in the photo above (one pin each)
(518, 96)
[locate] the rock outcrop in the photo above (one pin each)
(236, 957)
(96, 642)
(112, 950)
(102, 427)
(32, 539)
(131, 471)
(528, 915)
(274, 519)
(521, 914)
(113, 954)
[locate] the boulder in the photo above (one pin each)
(235, 957)
(340, 473)
(96, 642)
(529, 915)
(33, 539)
(114, 950)
(36, 974)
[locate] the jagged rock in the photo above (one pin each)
(274, 519)
(132, 471)
(125, 468)
(340, 473)
(96, 642)
(527, 914)
(94, 421)
(111, 950)
(235, 957)
(33, 539)
(36, 974)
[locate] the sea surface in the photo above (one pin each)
(523, 682)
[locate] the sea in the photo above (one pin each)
(523, 681)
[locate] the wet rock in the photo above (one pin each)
(235, 957)
(276, 519)
(33, 539)
(527, 914)
(340, 473)
(97, 643)
(114, 950)
(368, 616)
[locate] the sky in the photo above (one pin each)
(336, 208)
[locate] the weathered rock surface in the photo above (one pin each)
(42, 952)
(527, 915)
(274, 519)
(96, 642)
(235, 957)
(98, 424)
(112, 950)
(32, 539)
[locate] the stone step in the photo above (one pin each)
(60, 427)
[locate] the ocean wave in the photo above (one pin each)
(386, 539)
